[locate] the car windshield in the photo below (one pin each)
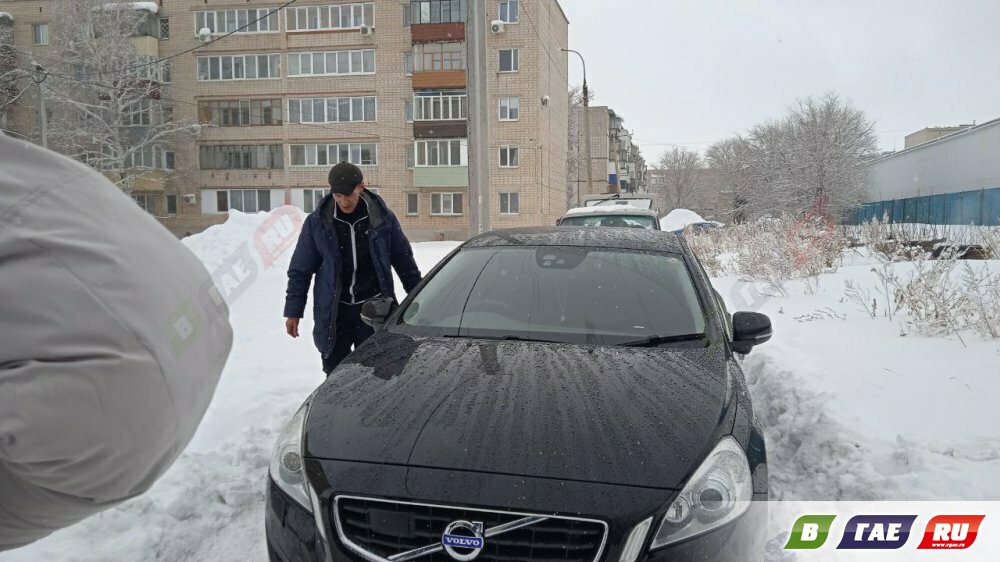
(626, 221)
(562, 294)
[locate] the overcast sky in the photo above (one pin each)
(691, 72)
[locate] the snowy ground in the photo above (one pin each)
(852, 410)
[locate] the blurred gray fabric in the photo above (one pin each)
(110, 349)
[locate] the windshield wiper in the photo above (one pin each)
(652, 341)
(507, 337)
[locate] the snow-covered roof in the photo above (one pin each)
(609, 210)
(150, 7)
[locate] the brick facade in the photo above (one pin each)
(539, 133)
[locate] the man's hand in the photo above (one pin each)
(292, 326)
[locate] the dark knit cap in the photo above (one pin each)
(344, 177)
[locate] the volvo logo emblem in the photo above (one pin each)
(465, 536)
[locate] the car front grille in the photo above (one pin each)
(377, 529)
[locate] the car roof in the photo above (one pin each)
(581, 236)
(610, 210)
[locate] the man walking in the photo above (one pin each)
(349, 243)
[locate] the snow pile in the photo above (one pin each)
(678, 219)
(896, 418)
(6, 17)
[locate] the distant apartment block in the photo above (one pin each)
(381, 84)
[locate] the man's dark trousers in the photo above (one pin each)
(351, 331)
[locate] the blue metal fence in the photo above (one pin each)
(980, 207)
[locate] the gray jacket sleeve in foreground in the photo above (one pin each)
(111, 344)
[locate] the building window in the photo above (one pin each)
(509, 156)
(508, 11)
(440, 107)
(244, 200)
(137, 114)
(411, 157)
(412, 204)
(406, 15)
(241, 157)
(169, 160)
(437, 11)
(145, 201)
(149, 157)
(329, 110)
(509, 60)
(311, 199)
(254, 20)
(171, 204)
(446, 203)
(164, 28)
(332, 63)
(510, 203)
(435, 152)
(439, 56)
(359, 154)
(239, 67)
(408, 64)
(342, 16)
(510, 108)
(408, 109)
(40, 33)
(240, 113)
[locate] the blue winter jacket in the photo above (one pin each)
(318, 253)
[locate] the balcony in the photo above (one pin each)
(441, 116)
(437, 32)
(441, 176)
(438, 79)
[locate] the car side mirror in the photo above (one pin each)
(375, 311)
(750, 329)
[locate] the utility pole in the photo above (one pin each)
(41, 105)
(479, 118)
(586, 131)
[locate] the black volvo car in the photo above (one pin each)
(544, 394)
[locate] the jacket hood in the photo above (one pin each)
(618, 415)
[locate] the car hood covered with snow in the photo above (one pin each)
(620, 415)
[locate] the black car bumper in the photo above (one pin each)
(292, 533)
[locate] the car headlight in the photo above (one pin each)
(287, 469)
(719, 492)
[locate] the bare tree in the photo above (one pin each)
(814, 158)
(680, 168)
(14, 81)
(729, 159)
(108, 100)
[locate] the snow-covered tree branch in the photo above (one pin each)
(108, 100)
(814, 157)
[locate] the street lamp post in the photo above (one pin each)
(586, 129)
(41, 105)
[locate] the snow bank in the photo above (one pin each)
(678, 219)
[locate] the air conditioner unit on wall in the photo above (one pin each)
(496, 26)
(367, 31)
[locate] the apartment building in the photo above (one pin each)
(381, 84)
(616, 163)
